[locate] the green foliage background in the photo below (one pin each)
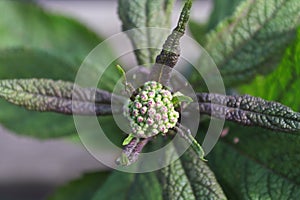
(256, 45)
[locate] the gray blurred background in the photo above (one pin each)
(31, 169)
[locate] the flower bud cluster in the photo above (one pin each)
(151, 111)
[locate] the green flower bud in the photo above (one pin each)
(151, 111)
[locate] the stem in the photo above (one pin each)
(186, 134)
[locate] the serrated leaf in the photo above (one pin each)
(253, 39)
(252, 163)
(46, 95)
(250, 111)
(143, 14)
(81, 189)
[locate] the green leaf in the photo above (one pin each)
(46, 95)
(37, 44)
(116, 187)
(178, 97)
(27, 25)
(122, 72)
(250, 111)
(264, 163)
(252, 163)
(81, 189)
(27, 63)
(56, 96)
(188, 178)
(221, 10)
(128, 139)
(283, 84)
(253, 40)
(143, 14)
(198, 31)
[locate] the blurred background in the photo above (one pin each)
(31, 169)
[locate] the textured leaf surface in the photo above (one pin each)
(168, 58)
(142, 14)
(250, 111)
(252, 163)
(221, 10)
(283, 84)
(253, 40)
(55, 96)
(187, 178)
(27, 63)
(81, 189)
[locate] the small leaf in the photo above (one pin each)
(128, 139)
(56, 96)
(128, 87)
(81, 189)
(143, 14)
(178, 98)
(252, 40)
(250, 111)
(122, 72)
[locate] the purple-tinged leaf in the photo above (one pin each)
(250, 111)
(55, 96)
